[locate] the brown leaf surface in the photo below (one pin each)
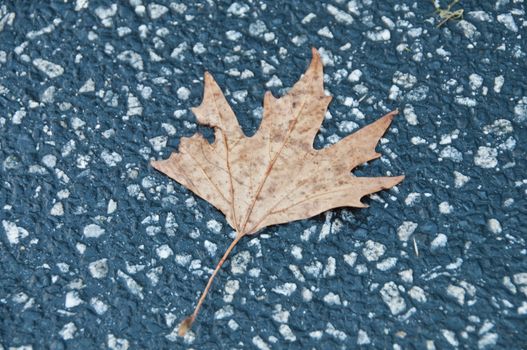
(275, 176)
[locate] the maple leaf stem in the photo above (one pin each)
(186, 324)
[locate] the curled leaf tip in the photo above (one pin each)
(185, 325)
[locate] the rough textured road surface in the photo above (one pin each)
(100, 251)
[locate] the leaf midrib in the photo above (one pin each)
(271, 165)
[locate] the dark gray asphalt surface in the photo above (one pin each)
(98, 250)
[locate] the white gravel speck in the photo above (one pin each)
(257, 28)
(362, 338)
(81, 4)
(233, 35)
(51, 69)
(522, 310)
(355, 75)
(93, 231)
(224, 312)
(390, 295)
(183, 93)
(105, 14)
(297, 273)
(418, 94)
(287, 333)
(450, 337)
(406, 229)
(394, 93)
(330, 268)
(409, 115)
(111, 159)
(412, 199)
(112, 206)
(296, 251)
(285, 289)
(49, 160)
(131, 284)
(211, 247)
(508, 21)
(338, 334)
(520, 278)
(460, 180)
(240, 95)
(183, 259)
(418, 294)
(98, 305)
(340, 16)
(500, 127)
(404, 80)
(48, 96)
(280, 315)
(199, 48)
(132, 58)
(494, 226)
(231, 287)
(372, 250)
(445, 208)
(13, 232)
(239, 262)
(347, 126)
(164, 251)
(98, 268)
(387, 264)
(439, 241)
(465, 101)
(158, 143)
(57, 209)
(233, 325)
(237, 9)
(177, 53)
(481, 16)
(316, 334)
(81, 248)
(134, 106)
(260, 343)
(68, 148)
(77, 123)
(407, 276)
(72, 299)
(214, 226)
(350, 258)
(122, 31)
(457, 293)
(308, 18)
(379, 35)
(469, 30)
(488, 340)
(332, 299)
(117, 343)
(520, 110)
(486, 157)
(475, 81)
(88, 86)
(156, 10)
(68, 331)
(314, 268)
(307, 295)
(274, 82)
(452, 153)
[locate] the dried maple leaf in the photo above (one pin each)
(275, 176)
